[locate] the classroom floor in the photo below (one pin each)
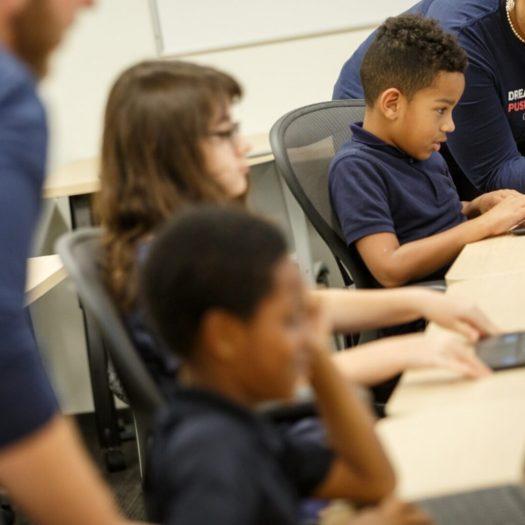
(125, 484)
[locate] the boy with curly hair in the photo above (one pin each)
(390, 188)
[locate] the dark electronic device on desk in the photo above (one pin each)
(519, 229)
(503, 351)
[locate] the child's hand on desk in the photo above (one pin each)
(392, 512)
(503, 216)
(487, 201)
(458, 315)
(449, 351)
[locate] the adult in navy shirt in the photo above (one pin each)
(489, 141)
(42, 464)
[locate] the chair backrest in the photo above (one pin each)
(304, 142)
(80, 252)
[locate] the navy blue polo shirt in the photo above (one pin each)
(489, 141)
(213, 461)
(26, 399)
(377, 188)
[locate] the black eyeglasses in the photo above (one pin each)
(226, 134)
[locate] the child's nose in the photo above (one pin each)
(244, 146)
(449, 126)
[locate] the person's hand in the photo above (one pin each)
(487, 201)
(445, 350)
(458, 315)
(504, 215)
(392, 512)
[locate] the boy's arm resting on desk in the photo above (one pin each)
(393, 264)
(361, 470)
(50, 477)
(357, 310)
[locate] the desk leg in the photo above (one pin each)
(103, 401)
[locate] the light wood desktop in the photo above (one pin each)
(449, 449)
(497, 256)
(501, 298)
(43, 273)
(449, 434)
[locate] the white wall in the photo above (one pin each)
(117, 33)
(277, 77)
(104, 41)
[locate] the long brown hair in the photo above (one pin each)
(152, 162)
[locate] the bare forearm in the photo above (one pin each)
(50, 477)
(357, 310)
(373, 363)
(350, 426)
(418, 259)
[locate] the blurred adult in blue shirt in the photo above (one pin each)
(42, 464)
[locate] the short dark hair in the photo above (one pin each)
(208, 257)
(408, 53)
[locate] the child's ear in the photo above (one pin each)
(222, 335)
(389, 103)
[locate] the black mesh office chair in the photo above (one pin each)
(80, 252)
(304, 141)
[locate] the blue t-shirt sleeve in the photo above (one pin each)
(198, 480)
(26, 397)
(360, 198)
(483, 144)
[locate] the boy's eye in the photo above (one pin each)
(441, 111)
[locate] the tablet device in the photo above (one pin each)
(502, 351)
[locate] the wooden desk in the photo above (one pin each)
(451, 434)
(502, 299)
(43, 273)
(493, 257)
(75, 178)
(449, 449)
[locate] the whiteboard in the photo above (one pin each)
(193, 26)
